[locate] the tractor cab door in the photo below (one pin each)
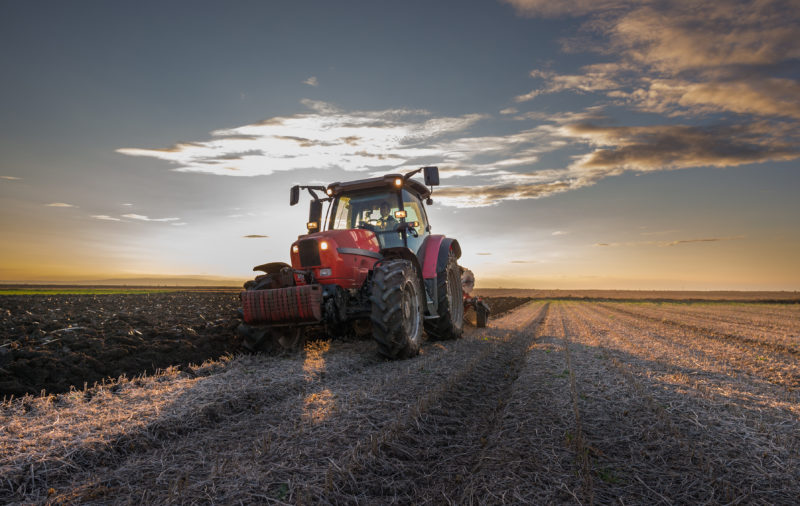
(415, 212)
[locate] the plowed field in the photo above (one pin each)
(556, 402)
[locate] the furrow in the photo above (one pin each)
(729, 358)
(722, 457)
(441, 436)
(711, 333)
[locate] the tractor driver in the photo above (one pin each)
(386, 221)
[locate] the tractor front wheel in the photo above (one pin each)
(397, 309)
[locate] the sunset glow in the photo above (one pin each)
(609, 144)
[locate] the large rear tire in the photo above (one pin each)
(450, 324)
(397, 309)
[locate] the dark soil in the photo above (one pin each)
(52, 343)
(498, 306)
(502, 305)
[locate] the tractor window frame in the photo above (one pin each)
(418, 209)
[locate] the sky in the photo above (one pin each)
(604, 144)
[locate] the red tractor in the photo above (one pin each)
(373, 268)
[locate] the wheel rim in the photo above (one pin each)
(411, 310)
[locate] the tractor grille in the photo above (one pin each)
(309, 253)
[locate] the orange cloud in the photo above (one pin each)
(682, 57)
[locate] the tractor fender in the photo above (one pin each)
(271, 268)
(405, 254)
(436, 250)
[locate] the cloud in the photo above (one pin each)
(559, 232)
(484, 170)
(682, 57)
(311, 81)
(255, 236)
(661, 147)
(760, 96)
(489, 195)
(483, 254)
(105, 217)
(140, 217)
(597, 77)
(10, 178)
(528, 96)
(523, 261)
(662, 244)
(59, 204)
(709, 239)
(325, 138)
(548, 8)
(615, 150)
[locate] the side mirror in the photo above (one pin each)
(314, 216)
(294, 195)
(431, 176)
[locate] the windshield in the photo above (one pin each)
(371, 210)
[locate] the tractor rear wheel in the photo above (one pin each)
(450, 324)
(397, 309)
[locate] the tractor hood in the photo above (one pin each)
(342, 257)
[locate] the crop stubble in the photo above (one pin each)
(558, 402)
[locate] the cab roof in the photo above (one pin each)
(388, 181)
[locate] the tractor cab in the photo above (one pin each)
(390, 206)
(396, 217)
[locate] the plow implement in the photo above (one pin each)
(293, 304)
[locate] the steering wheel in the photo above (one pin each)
(366, 225)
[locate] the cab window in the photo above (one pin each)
(342, 218)
(415, 213)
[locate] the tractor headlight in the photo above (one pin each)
(400, 214)
(398, 182)
(295, 249)
(324, 272)
(329, 191)
(323, 245)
